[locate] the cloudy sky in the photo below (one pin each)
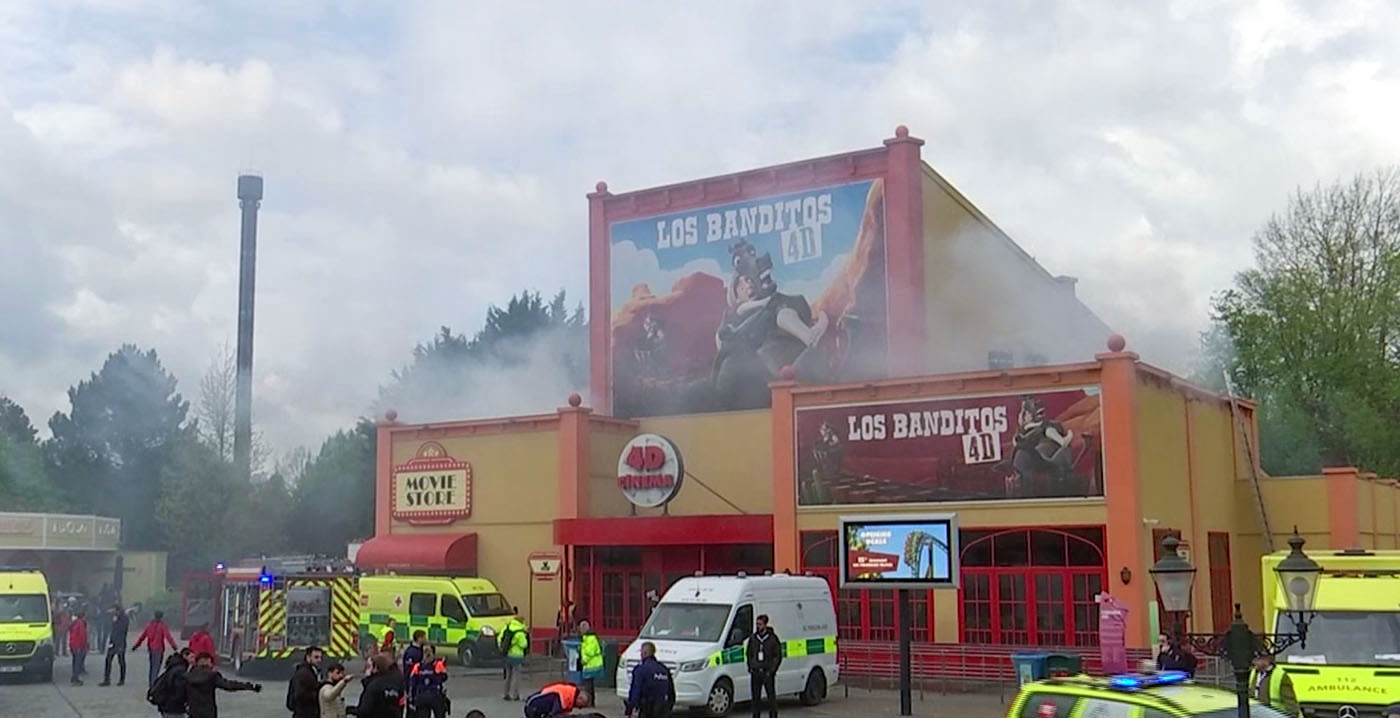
(424, 159)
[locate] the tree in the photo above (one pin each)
(526, 358)
(333, 500)
(24, 485)
(14, 422)
(1314, 330)
(196, 492)
(109, 451)
(217, 410)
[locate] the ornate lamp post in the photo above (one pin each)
(1239, 645)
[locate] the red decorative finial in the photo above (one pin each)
(391, 415)
(901, 132)
(575, 400)
(1116, 342)
(601, 186)
(788, 373)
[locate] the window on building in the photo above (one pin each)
(1222, 598)
(1031, 586)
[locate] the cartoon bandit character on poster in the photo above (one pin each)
(710, 305)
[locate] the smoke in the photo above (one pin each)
(986, 295)
(514, 376)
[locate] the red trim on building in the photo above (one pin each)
(419, 552)
(664, 530)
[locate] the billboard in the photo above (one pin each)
(432, 488)
(899, 551)
(710, 304)
(967, 448)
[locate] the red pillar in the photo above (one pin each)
(904, 254)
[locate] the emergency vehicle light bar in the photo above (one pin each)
(1134, 681)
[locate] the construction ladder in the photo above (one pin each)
(1253, 466)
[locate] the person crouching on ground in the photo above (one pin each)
(556, 699)
(201, 682)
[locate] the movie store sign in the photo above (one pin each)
(650, 470)
(432, 488)
(974, 448)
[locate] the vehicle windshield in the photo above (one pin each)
(24, 608)
(487, 604)
(687, 622)
(1361, 638)
(1256, 710)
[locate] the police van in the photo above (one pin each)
(1165, 694)
(701, 625)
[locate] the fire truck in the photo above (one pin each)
(264, 611)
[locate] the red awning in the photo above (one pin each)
(419, 552)
(665, 530)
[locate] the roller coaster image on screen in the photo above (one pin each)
(924, 556)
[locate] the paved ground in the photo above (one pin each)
(470, 689)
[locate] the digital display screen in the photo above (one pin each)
(899, 551)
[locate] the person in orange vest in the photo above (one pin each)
(427, 686)
(557, 699)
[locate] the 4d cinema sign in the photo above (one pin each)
(432, 488)
(650, 471)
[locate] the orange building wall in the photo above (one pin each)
(509, 464)
(728, 451)
(607, 438)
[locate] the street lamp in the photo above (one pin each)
(1297, 575)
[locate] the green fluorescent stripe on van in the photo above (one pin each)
(379, 619)
(806, 647)
(417, 620)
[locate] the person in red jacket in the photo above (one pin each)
(202, 642)
(78, 646)
(155, 635)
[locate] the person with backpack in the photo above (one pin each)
(514, 643)
(304, 689)
(155, 635)
(202, 681)
(167, 691)
(427, 687)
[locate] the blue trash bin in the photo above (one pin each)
(572, 658)
(1029, 667)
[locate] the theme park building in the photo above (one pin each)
(850, 335)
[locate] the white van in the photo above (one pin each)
(701, 625)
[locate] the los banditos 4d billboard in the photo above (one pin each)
(966, 448)
(709, 305)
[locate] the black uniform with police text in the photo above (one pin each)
(765, 653)
(653, 691)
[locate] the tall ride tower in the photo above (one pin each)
(250, 193)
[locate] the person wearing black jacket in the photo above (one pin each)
(764, 653)
(653, 690)
(167, 693)
(306, 685)
(116, 645)
(200, 684)
(383, 695)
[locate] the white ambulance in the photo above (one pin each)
(702, 624)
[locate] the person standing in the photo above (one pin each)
(167, 693)
(427, 687)
(203, 680)
(653, 690)
(116, 645)
(514, 642)
(78, 645)
(155, 635)
(202, 642)
(1177, 658)
(764, 653)
(382, 696)
(386, 645)
(590, 653)
(304, 691)
(332, 693)
(61, 620)
(412, 654)
(105, 598)
(1273, 687)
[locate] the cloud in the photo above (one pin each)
(632, 266)
(426, 159)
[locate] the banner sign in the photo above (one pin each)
(899, 551)
(650, 470)
(967, 448)
(432, 488)
(710, 304)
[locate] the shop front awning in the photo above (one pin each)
(436, 553)
(665, 530)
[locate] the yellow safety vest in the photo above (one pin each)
(591, 652)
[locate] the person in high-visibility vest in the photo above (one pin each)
(1272, 687)
(590, 651)
(514, 642)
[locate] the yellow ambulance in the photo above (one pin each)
(460, 615)
(26, 627)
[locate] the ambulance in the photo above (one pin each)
(701, 625)
(26, 627)
(460, 615)
(1350, 667)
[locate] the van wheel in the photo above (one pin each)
(721, 699)
(465, 655)
(46, 675)
(815, 692)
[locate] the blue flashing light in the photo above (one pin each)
(265, 578)
(1135, 681)
(219, 566)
